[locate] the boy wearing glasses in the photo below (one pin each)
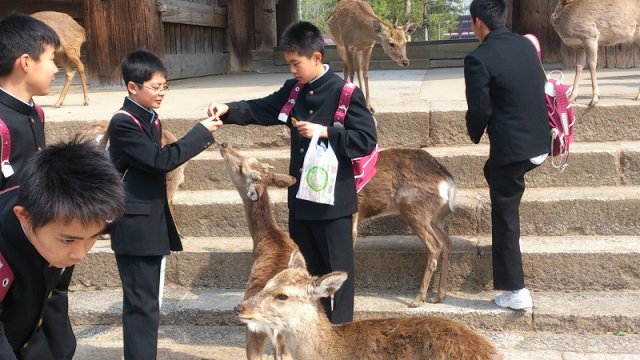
(146, 233)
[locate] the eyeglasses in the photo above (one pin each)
(155, 90)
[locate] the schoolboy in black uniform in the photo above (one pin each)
(27, 49)
(323, 232)
(146, 233)
(47, 224)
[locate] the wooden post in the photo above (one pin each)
(265, 24)
(240, 30)
(115, 28)
(286, 14)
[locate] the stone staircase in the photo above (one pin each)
(581, 245)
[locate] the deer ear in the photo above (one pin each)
(377, 27)
(296, 260)
(252, 193)
(410, 28)
(328, 284)
(283, 181)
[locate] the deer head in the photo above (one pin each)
(288, 302)
(251, 177)
(394, 40)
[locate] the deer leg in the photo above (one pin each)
(365, 64)
(345, 61)
(418, 217)
(83, 79)
(69, 73)
(444, 262)
(255, 344)
(591, 48)
(580, 60)
(282, 349)
(354, 228)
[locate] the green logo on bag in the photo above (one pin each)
(317, 178)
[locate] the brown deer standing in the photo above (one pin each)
(72, 36)
(355, 29)
(272, 247)
(288, 305)
(412, 183)
(586, 24)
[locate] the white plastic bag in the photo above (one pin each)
(319, 172)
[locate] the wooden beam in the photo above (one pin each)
(183, 12)
(180, 66)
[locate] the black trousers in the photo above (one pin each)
(140, 277)
(506, 186)
(327, 245)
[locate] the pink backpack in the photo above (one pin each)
(560, 110)
(5, 144)
(364, 168)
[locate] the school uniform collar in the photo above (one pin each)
(496, 32)
(16, 104)
(140, 113)
(322, 79)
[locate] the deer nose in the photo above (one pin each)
(238, 309)
(405, 62)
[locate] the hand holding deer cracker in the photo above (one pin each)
(306, 128)
(217, 110)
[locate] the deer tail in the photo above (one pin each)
(447, 190)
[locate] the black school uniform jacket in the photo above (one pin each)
(147, 227)
(31, 329)
(27, 135)
(505, 96)
(317, 103)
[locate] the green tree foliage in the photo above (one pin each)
(442, 13)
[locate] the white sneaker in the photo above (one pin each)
(516, 300)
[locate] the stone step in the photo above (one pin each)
(397, 263)
(591, 164)
(605, 210)
(402, 128)
(198, 342)
(580, 312)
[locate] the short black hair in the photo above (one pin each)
(492, 12)
(22, 34)
(140, 65)
(71, 181)
(302, 37)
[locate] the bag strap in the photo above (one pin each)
(6, 277)
(344, 102)
(5, 150)
(288, 106)
(131, 116)
(39, 111)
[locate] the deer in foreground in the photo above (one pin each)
(412, 183)
(72, 36)
(271, 246)
(98, 132)
(288, 305)
(355, 29)
(586, 24)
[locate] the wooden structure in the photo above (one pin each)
(206, 37)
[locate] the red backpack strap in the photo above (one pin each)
(39, 111)
(5, 150)
(536, 44)
(6, 277)
(131, 116)
(343, 103)
(288, 106)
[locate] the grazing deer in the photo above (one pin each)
(98, 133)
(272, 247)
(586, 24)
(412, 183)
(72, 36)
(355, 29)
(288, 305)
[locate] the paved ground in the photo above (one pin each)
(391, 91)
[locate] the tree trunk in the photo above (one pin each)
(115, 28)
